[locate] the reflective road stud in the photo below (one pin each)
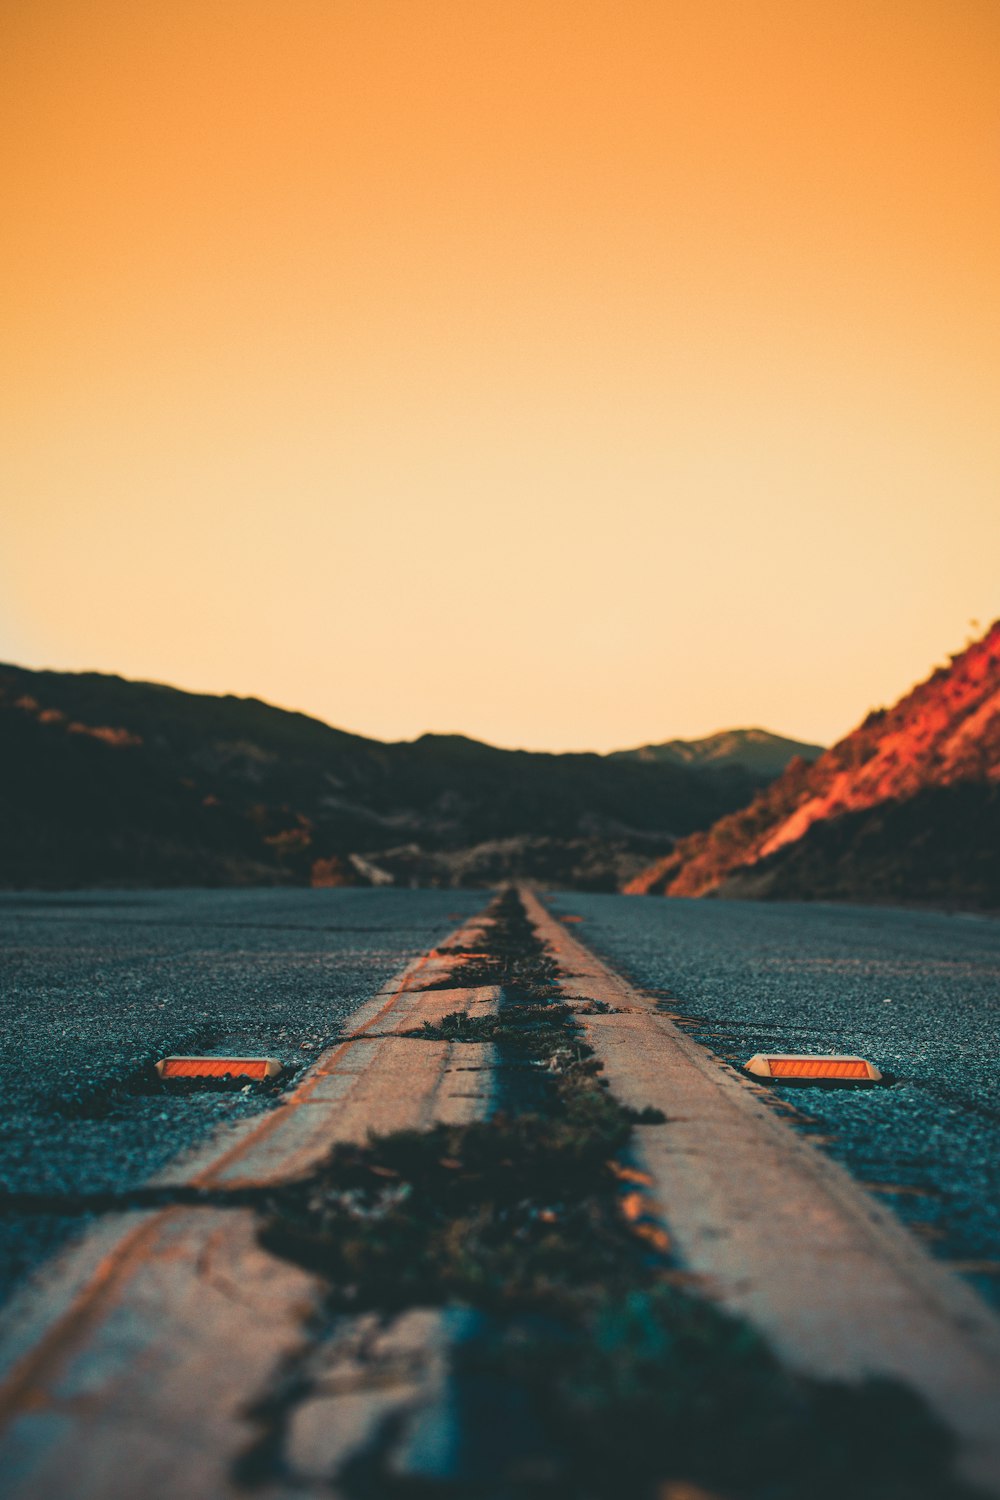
(799, 1067)
(218, 1067)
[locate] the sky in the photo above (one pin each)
(568, 373)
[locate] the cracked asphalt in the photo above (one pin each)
(95, 986)
(916, 992)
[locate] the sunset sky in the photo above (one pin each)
(571, 375)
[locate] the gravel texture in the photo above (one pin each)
(96, 986)
(916, 992)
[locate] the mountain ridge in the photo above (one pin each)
(943, 733)
(754, 749)
(110, 779)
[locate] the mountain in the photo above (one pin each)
(940, 846)
(109, 781)
(756, 751)
(905, 807)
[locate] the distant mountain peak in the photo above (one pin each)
(757, 751)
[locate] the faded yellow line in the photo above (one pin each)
(24, 1389)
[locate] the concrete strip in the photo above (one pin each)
(393, 1087)
(429, 1007)
(376, 1376)
(379, 1083)
(126, 1368)
(783, 1234)
(469, 1082)
(152, 1401)
(301, 1129)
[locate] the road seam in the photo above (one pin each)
(169, 1318)
(92, 1385)
(781, 1234)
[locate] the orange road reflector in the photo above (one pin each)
(218, 1067)
(804, 1067)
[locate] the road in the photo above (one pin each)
(917, 992)
(95, 985)
(98, 985)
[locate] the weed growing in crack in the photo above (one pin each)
(533, 1219)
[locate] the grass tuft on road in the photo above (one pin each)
(539, 1220)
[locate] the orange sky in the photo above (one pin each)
(569, 374)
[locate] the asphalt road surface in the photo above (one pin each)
(918, 993)
(95, 986)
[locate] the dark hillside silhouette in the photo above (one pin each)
(107, 780)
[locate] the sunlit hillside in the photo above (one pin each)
(876, 815)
